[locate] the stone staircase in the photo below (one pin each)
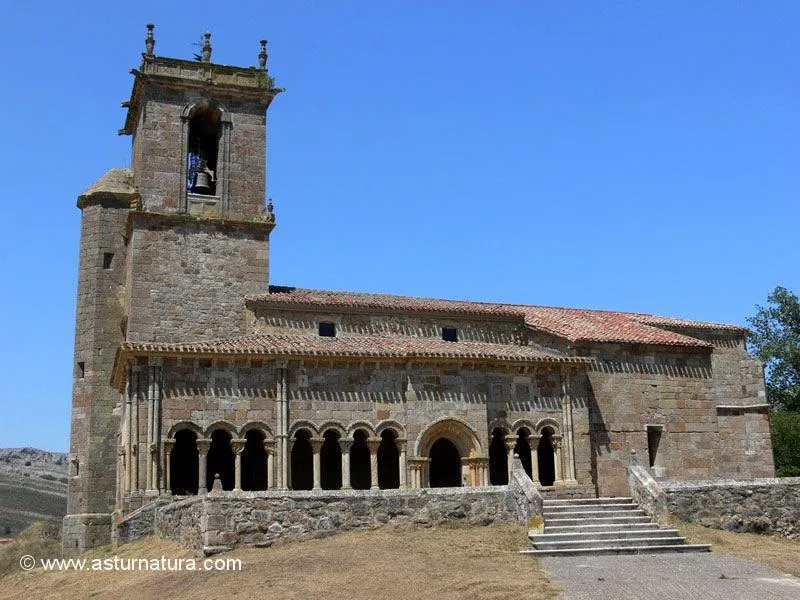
(585, 526)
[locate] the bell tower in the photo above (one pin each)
(199, 133)
(169, 249)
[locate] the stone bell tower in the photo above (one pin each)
(169, 249)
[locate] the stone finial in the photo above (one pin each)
(206, 47)
(262, 56)
(217, 487)
(149, 41)
(269, 214)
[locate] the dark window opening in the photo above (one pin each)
(330, 459)
(445, 465)
(302, 458)
(81, 369)
(204, 135)
(360, 469)
(107, 258)
(523, 450)
(254, 461)
(547, 458)
(449, 334)
(184, 460)
(388, 461)
(327, 329)
(221, 460)
(498, 458)
(653, 441)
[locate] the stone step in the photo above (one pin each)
(600, 528)
(620, 550)
(538, 538)
(581, 501)
(622, 542)
(591, 514)
(604, 520)
(605, 507)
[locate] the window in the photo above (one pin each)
(327, 329)
(449, 334)
(653, 441)
(203, 140)
(107, 258)
(81, 369)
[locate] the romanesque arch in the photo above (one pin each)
(546, 457)
(331, 460)
(221, 460)
(302, 459)
(360, 470)
(445, 443)
(254, 460)
(388, 460)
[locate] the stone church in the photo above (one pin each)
(190, 366)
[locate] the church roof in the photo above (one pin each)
(307, 345)
(573, 324)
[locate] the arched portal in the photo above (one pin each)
(254, 461)
(388, 461)
(445, 466)
(183, 463)
(220, 460)
(302, 461)
(359, 461)
(523, 450)
(331, 461)
(498, 458)
(547, 458)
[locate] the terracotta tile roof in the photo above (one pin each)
(304, 345)
(572, 324)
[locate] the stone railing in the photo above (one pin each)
(646, 491)
(527, 499)
(754, 505)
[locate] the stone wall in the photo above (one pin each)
(230, 519)
(187, 276)
(758, 505)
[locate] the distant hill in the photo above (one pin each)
(33, 487)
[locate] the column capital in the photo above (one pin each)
(168, 444)
(316, 444)
(555, 441)
(510, 441)
(269, 446)
(238, 444)
(153, 448)
(373, 443)
(401, 444)
(203, 444)
(345, 444)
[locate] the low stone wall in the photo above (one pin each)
(527, 499)
(223, 520)
(756, 505)
(136, 524)
(646, 492)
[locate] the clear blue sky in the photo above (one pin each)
(620, 155)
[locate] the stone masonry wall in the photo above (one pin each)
(266, 319)
(759, 505)
(94, 423)
(230, 519)
(188, 279)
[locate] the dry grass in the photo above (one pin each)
(777, 552)
(425, 564)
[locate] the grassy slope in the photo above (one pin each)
(424, 564)
(777, 552)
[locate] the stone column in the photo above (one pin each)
(168, 444)
(237, 445)
(511, 443)
(345, 445)
(135, 380)
(288, 461)
(128, 433)
(556, 442)
(533, 442)
(316, 446)
(569, 437)
(269, 448)
(417, 466)
(283, 447)
(373, 444)
(202, 448)
(401, 448)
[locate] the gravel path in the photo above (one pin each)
(706, 576)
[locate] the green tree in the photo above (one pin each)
(775, 339)
(786, 443)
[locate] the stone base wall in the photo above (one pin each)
(223, 520)
(84, 531)
(757, 505)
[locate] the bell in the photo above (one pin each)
(202, 183)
